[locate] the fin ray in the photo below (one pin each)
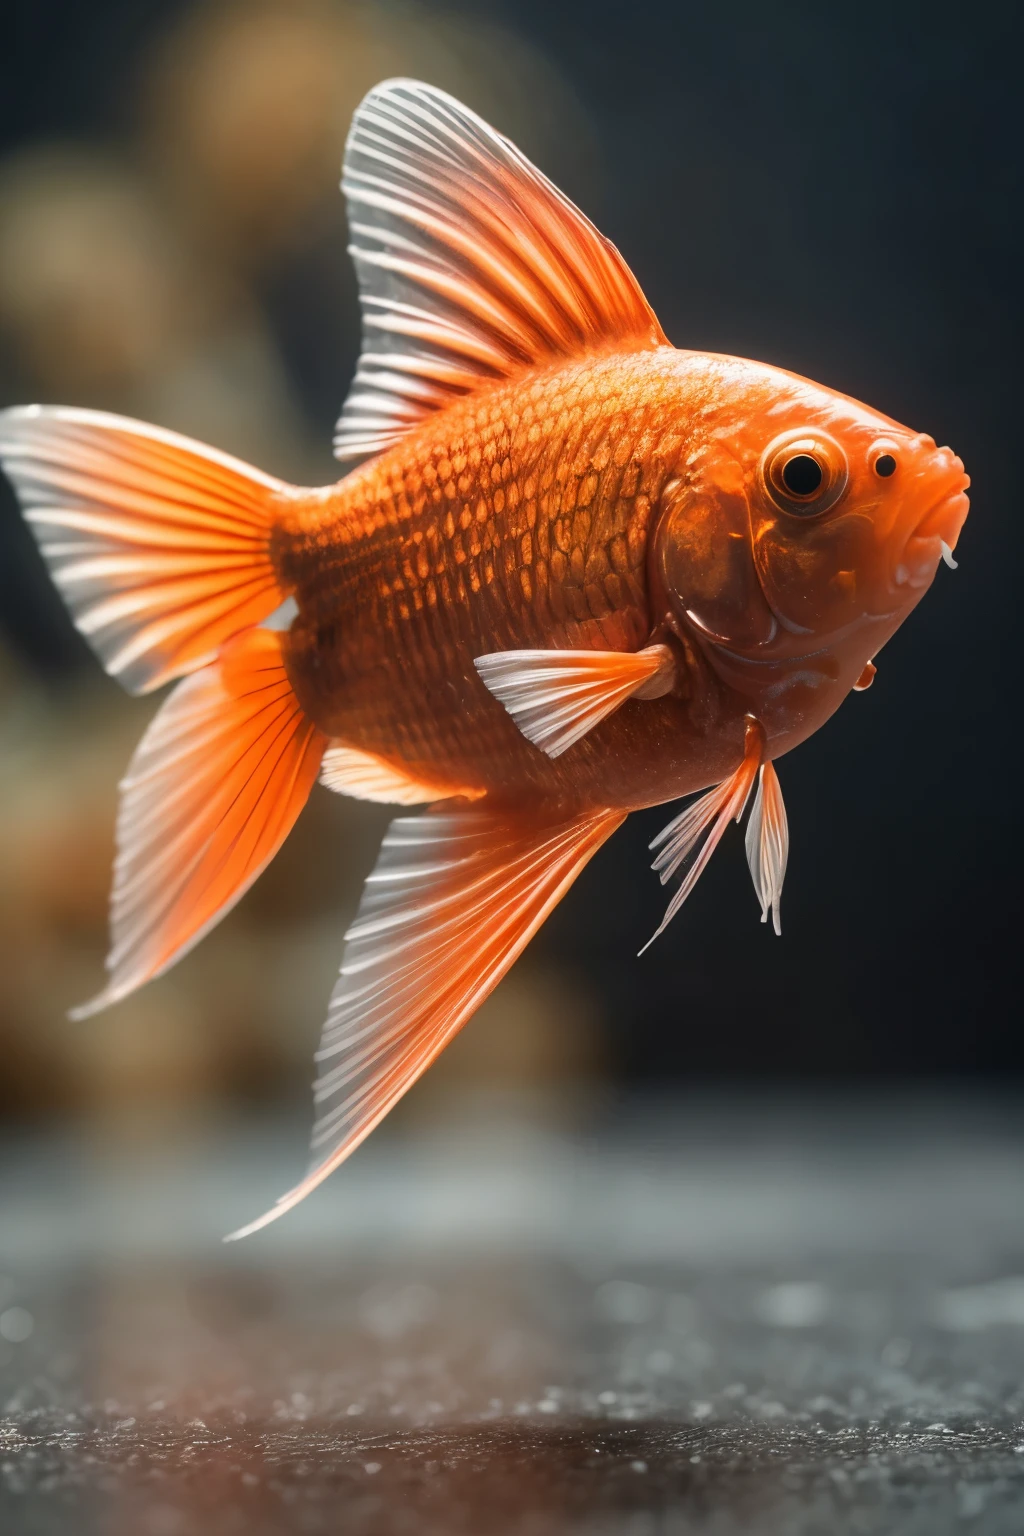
(212, 791)
(767, 844)
(159, 546)
(471, 264)
(556, 697)
(350, 771)
(692, 837)
(457, 896)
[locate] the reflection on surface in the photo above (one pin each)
(721, 1320)
(525, 1477)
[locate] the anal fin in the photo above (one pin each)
(453, 900)
(212, 791)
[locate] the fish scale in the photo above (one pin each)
(520, 520)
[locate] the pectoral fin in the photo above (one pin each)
(555, 697)
(454, 899)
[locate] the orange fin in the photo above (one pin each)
(471, 265)
(212, 791)
(453, 900)
(767, 843)
(366, 776)
(866, 678)
(159, 546)
(694, 835)
(555, 697)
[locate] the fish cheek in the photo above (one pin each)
(813, 574)
(706, 563)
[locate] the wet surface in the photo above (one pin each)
(783, 1323)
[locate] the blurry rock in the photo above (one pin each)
(102, 303)
(92, 291)
(238, 1020)
(146, 291)
(56, 843)
(246, 104)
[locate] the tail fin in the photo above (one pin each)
(159, 546)
(212, 792)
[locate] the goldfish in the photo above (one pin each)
(570, 572)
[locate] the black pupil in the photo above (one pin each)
(885, 465)
(802, 476)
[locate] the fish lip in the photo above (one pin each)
(934, 535)
(945, 519)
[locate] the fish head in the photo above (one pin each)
(804, 523)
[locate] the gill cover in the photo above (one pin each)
(704, 557)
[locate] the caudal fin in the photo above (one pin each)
(212, 792)
(159, 546)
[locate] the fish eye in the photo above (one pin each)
(885, 465)
(804, 473)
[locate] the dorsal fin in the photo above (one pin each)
(471, 265)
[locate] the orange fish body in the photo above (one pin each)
(532, 515)
(575, 572)
(519, 517)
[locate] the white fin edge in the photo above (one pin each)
(363, 775)
(159, 546)
(453, 900)
(767, 844)
(696, 832)
(472, 266)
(211, 793)
(556, 697)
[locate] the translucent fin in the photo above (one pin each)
(471, 265)
(555, 697)
(211, 793)
(452, 902)
(368, 777)
(866, 678)
(767, 844)
(693, 836)
(159, 546)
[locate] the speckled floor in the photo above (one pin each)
(709, 1317)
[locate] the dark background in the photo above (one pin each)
(834, 189)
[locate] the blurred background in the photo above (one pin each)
(732, 1232)
(832, 189)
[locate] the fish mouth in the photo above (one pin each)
(933, 539)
